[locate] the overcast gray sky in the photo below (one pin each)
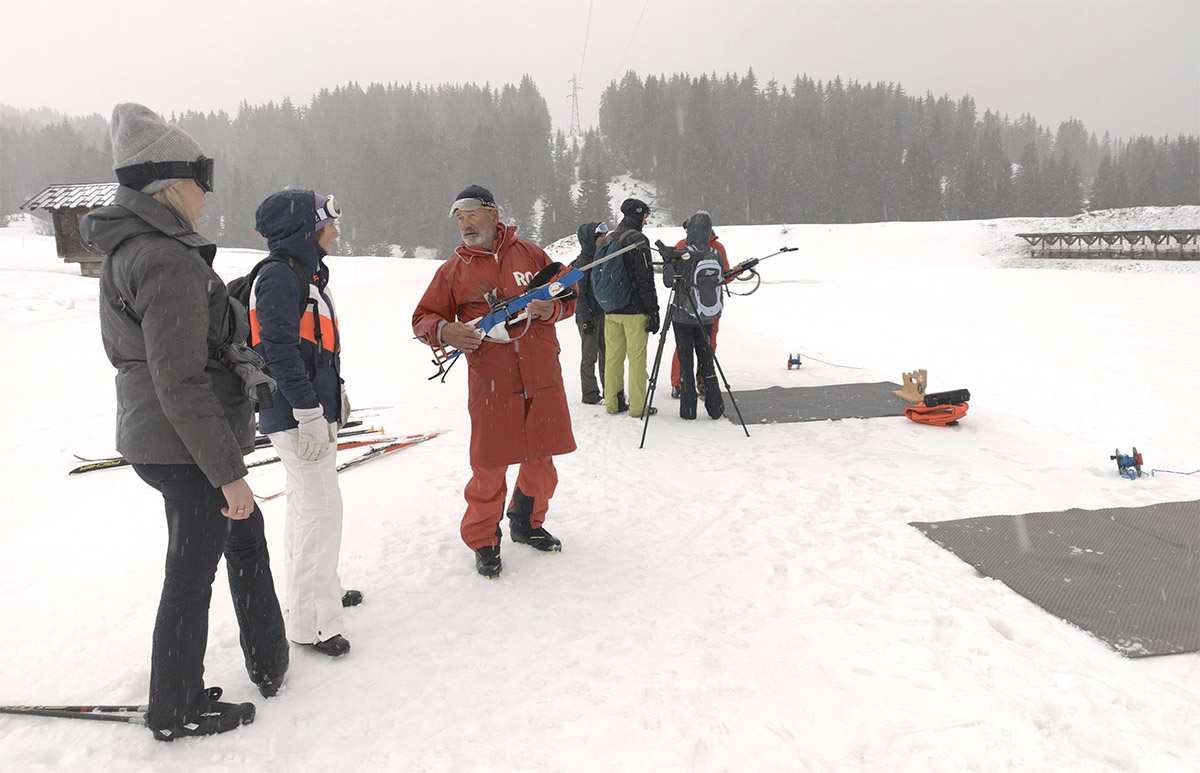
(1120, 66)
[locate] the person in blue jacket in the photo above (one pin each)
(295, 328)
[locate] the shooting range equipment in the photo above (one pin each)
(934, 399)
(793, 361)
(1130, 466)
(937, 416)
(914, 386)
(939, 409)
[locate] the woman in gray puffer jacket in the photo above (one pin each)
(183, 418)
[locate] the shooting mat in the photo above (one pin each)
(1129, 576)
(821, 403)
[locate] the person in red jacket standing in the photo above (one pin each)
(676, 387)
(515, 393)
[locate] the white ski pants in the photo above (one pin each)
(312, 540)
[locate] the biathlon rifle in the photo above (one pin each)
(553, 282)
(748, 265)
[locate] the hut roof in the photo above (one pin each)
(85, 195)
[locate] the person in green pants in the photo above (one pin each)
(627, 329)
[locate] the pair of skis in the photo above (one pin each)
(110, 462)
(378, 449)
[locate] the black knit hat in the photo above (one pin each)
(473, 197)
(477, 192)
(634, 207)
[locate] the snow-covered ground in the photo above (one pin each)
(722, 603)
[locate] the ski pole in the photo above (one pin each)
(134, 715)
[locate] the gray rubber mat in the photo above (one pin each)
(823, 403)
(1129, 576)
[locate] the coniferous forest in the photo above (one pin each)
(749, 153)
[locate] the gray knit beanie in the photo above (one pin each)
(140, 135)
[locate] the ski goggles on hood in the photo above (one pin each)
(327, 209)
(471, 203)
(139, 176)
(601, 228)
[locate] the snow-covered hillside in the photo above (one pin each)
(722, 603)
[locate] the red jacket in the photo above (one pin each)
(500, 376)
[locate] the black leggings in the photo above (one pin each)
(197, 536)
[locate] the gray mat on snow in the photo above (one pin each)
(822, 403)
(1129, 576)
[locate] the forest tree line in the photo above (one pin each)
(395, 155)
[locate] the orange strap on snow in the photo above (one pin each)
(939, 415)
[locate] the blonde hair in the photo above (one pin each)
(171, 198)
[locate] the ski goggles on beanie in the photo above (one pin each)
(327, 209)
(139, 176)
(471, 203)
(473, 197)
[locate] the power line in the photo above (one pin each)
(586, 34)
(631, 38)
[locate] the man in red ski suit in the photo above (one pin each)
(515, 393)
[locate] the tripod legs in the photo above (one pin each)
(666, 327)
(662, 340)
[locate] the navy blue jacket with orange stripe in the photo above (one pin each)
(306, 371)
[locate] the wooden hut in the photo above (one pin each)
(67, 204)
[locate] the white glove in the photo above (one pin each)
(316, 437)
(345, 408)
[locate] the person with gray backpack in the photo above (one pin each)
(695, 274)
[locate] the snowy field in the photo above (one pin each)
(722, 603)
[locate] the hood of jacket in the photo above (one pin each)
(628, 222)
(505, 236)
(699, 230)
(587, 240)
(288, 221)
(133, 213)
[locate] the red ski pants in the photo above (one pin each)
(486, 492)
(675, 357)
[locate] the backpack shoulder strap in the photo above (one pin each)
(631, 236)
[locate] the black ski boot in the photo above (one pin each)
(267, 674)
(270, 687)
(487, 561)
(335, 646)
(537, 538)
(519, 513)
(219, 718)
(352, 598)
